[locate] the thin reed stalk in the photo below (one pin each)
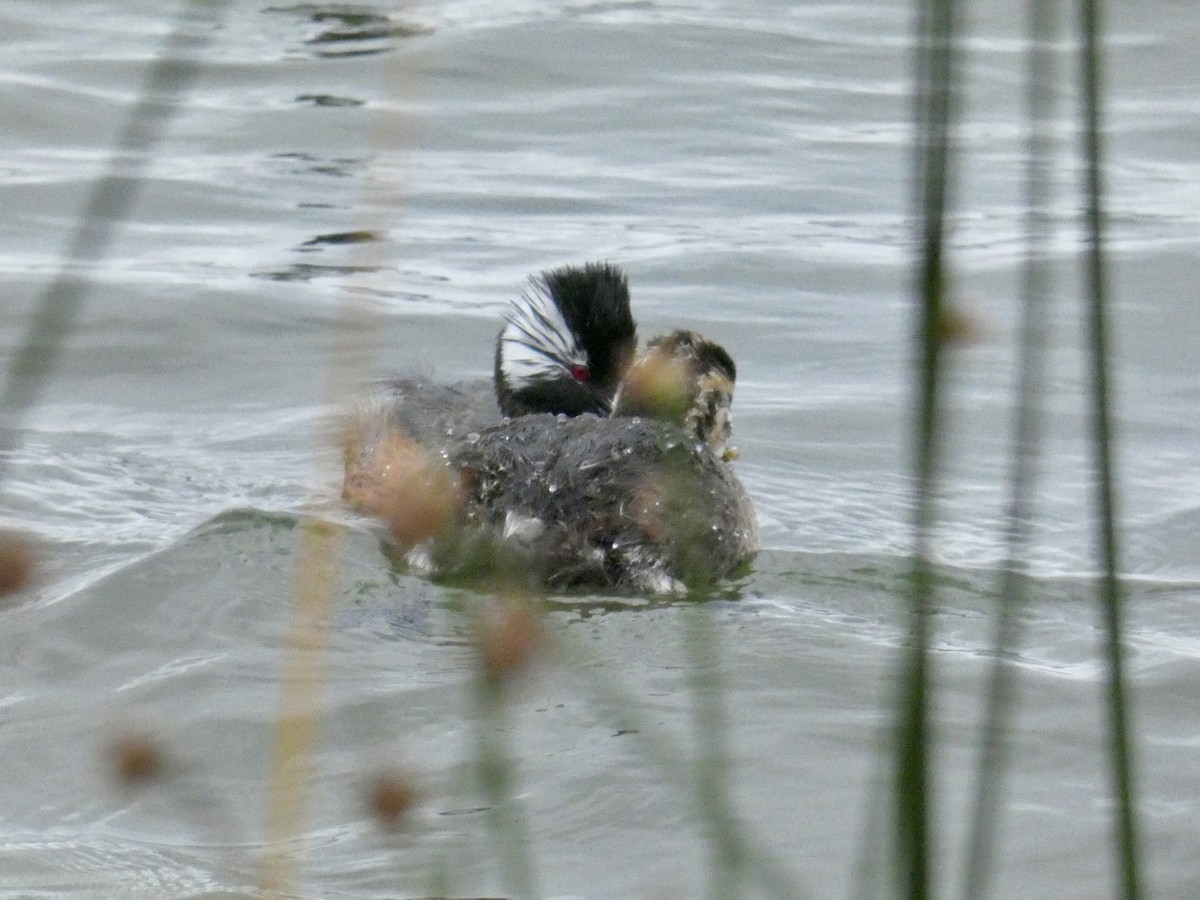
(1035, 290)
(935, 101)
(167, 82)
(1110, 592)
(712, 767)
(761, 869)
(497, 776)
(304, 668)
(297, 730)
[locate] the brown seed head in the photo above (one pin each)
(511, 633)
(658, 386)
(392, 797)
(137, 758)
(398, 481)
(17, 562)
(649, 506)
(957, 328)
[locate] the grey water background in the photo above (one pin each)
(747, 162)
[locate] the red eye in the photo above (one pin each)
(581, 373)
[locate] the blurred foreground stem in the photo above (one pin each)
(1040, 86)
(165, 86)
(913, 828)
(712, 769)
(1102, 430)
(299, 714)
(497, 777)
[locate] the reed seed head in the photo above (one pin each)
(958, 328)
(17, 562)
(657, 385)
(396, 480)
(137, 758)
(391, 797)
(511, 634)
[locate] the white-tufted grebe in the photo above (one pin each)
(591, 478)
(566, 343)
(562, 349)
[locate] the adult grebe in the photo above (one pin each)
(642, 500)
(642, 497)
(565, 345)
(562, 349)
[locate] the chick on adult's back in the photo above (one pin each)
(646, 501)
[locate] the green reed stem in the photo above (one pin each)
(1102, 432)
(757, 865)
(167, 82)
(1035, 290)
(934, 107)
(497, 777)
(712, 768)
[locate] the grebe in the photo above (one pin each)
(562, 349)
(591, 478)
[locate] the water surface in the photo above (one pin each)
(747, 163)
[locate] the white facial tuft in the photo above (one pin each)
(536, 343)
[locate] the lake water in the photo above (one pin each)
(747, 163)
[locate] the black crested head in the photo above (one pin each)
(566, 343)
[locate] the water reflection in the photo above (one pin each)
(309, 272)
(340, 237)
(338, 167)
(328, 100)
(345, 30)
